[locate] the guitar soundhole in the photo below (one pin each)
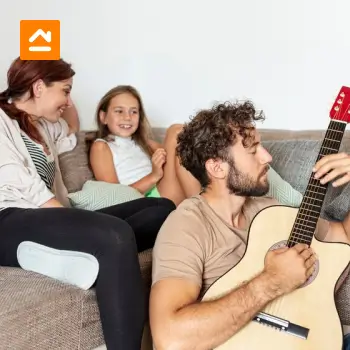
(282, 244)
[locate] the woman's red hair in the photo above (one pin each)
(20, 79)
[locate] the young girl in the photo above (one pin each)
(125, 153)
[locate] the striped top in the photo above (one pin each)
(20, 184)
(44, 164)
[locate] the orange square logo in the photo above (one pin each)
(40, 40)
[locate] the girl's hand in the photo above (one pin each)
(158, 160)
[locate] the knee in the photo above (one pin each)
(174, 130)
(166, 204)
(114, 232)
(158, 213)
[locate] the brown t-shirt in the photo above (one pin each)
(196, 244)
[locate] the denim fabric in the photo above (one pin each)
(346, 342)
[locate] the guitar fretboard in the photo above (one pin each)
(311, 205)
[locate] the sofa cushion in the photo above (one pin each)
(75, 166)
(282, 190)
(96, 195)
(41, 313)
(293, 160)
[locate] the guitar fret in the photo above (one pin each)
(313, 178)
(314, 192)
(301, 234)
(306, 222)
(303, 230)
(304, 225)
(298, 241)
(309, 216)
(331, 139)
(310, 210)
(336, 130)
(306, 239)
(318, 186)
(332, 149)
(302, 239)
(313, 199)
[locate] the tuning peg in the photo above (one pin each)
(342, 94)
(336, 108)
(340, 101)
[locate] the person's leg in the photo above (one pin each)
(177, 183)
(145, 216)
(346, 345)
(119, 285)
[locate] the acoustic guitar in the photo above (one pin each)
(307, 318)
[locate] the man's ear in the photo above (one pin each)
(216, 168)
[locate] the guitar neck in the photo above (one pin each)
(311, 205)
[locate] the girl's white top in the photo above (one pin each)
(131, 163)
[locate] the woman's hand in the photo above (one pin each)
(332, 166)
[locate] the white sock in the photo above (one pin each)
(76, 268)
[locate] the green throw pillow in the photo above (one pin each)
(98, 195)
(282, 191)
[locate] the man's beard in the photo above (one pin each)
(241, 184)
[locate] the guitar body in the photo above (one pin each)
(311, 306)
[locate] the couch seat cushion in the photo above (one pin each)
(41, 313)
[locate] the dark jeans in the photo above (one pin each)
(346, 345)
(114, 236)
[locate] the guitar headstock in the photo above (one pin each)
(341, 106)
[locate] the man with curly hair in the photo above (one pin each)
(206, 235)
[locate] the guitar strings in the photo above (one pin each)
(309, 203)
(320, 190)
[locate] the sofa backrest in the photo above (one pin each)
(293, 154)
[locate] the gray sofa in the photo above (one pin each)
(41, 313)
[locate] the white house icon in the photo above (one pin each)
(47, 38)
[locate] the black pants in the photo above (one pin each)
(119, 286)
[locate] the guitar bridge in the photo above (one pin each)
(281, 325)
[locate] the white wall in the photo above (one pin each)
(289, 56)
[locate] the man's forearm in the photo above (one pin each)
(208, 324)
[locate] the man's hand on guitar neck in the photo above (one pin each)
(178, 321)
